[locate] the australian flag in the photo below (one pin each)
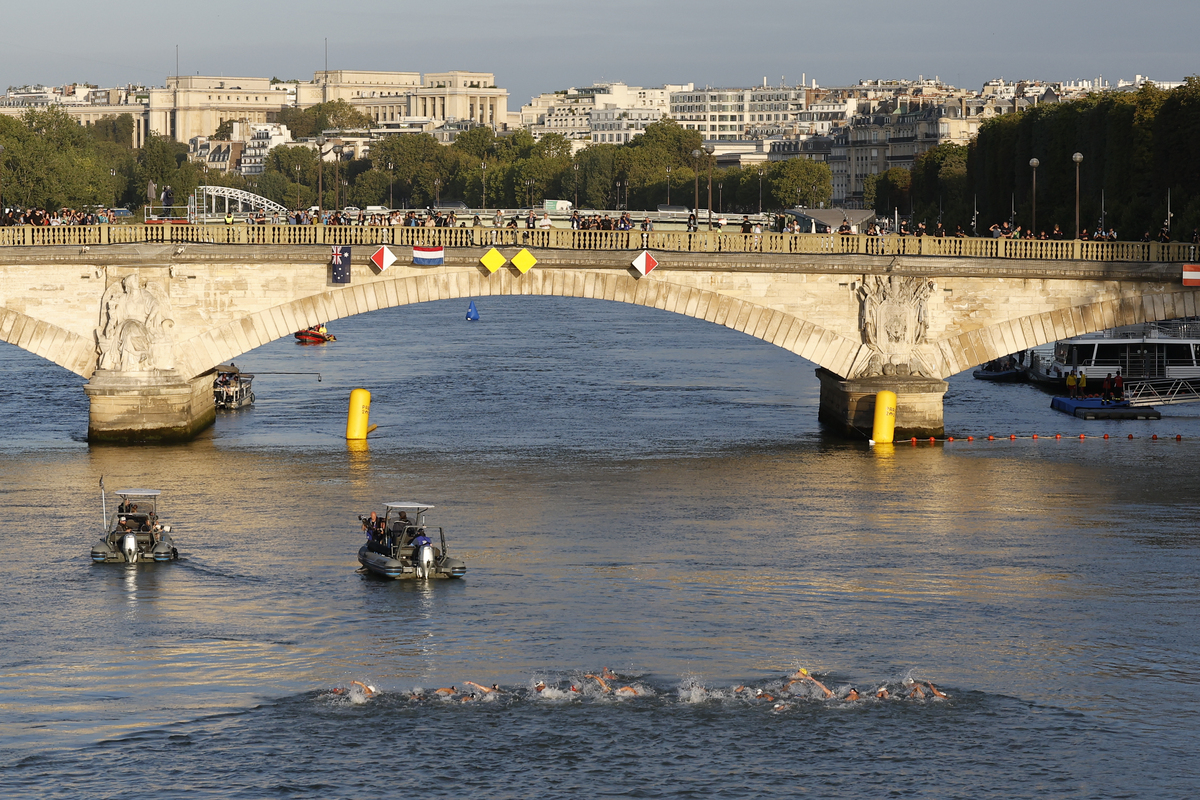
(340, 261)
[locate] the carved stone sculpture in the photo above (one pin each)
(893, 319)
(134, 334)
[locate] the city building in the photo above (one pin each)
(619, 125)
(732, 113)
(569, 112)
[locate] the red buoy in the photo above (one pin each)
(1178, 438)
(1106, 436)
(970, 438)
(1058, 436)
(1081, 436)
(1155, 436)
(949, 438)
(1035, 436)
(1131, 436)
(991, 438)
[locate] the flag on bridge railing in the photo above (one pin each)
(429, 256)
(340, 261)
(1191, 274)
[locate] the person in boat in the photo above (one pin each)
(372, 527)
(1081, 384)
(1118, 386)
(122, 524)
(403, 521)
(1072, 384)
(1106, 389)
(421, 540)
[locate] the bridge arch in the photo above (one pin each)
(802, 337)
(57, 345)
(980, 346)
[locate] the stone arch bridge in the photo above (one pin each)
(146, 322)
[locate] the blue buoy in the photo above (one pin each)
(472, 313)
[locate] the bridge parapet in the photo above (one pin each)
(568, 239)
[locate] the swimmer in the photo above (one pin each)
(541, 686)
(600, 681)
(608, 674)
(447, 692)
(882, 693)
(853, 695)
(484, 689)
(918, 692)
(759, 694)
(802, 675)
(627, 690)
(369, 691)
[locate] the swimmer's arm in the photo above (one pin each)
(821, 685)
(937, 691)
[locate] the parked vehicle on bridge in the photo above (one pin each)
(401, 545)
(231, 388)
(317, 334)
(134, 534)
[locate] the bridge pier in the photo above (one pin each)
(151, 407)
(848, 405)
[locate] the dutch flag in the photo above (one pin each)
(429, 256)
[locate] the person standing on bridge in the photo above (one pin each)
(228, 217)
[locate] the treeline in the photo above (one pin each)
(51, 161)
(1136, 147)
(417, 171)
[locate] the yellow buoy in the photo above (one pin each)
(884, 430)
(357, 419)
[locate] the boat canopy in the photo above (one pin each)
(229, 369)
(407, 506)
(138, 493)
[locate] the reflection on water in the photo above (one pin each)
(627, 489)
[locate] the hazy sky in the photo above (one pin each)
(539, 45)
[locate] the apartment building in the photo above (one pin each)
(732, 113)
(569, 112)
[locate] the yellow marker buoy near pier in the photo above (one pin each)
(884, 430)
(359, 416)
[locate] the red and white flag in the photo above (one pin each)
(1191, 274)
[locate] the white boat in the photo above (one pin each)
(1154, 350)
(403, 546)
(134, 534)
(231, 388)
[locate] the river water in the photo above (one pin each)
(630, 489)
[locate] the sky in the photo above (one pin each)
(535, 46)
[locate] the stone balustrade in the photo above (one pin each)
(567, 239)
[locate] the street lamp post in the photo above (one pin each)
(696, 200)
(529, 185)
(437, 192)
(1033, 163)
(721, 197)
(575, 169)
(618, 195)
(760, 177)
(668, 184)
(345, 192)
(1, 179)
(337, 170)
(297, 187)
(1078, 159)
(112, 173)
(483, 196)
(709, 149)
(320, 176)
(391, 180)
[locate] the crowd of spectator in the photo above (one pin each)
(65, 216)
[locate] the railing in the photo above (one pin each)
(1163, 392)
(568, 239)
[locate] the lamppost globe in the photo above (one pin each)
(1033, 162)
(1077, 158)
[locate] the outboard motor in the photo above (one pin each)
(129, 547)
(423, 558)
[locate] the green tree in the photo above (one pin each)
(800, 181)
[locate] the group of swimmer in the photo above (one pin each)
(606, 682)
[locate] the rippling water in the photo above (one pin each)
(629, 489)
